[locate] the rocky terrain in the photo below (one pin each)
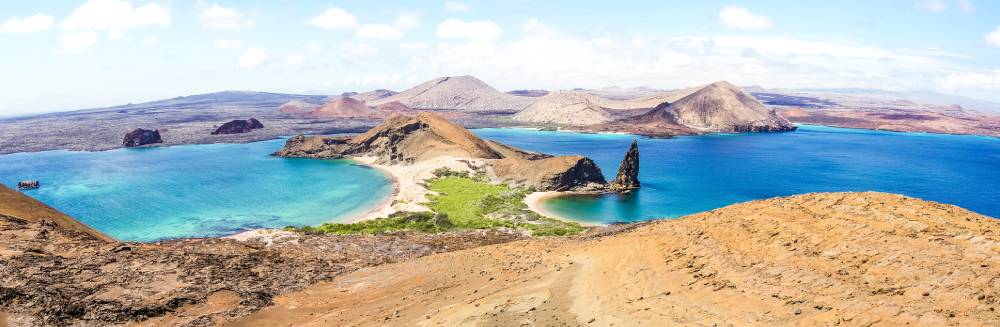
(848, 259)
(55, 271)
(464, 93)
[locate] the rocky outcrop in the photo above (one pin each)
(413, 139)
(628, 172)
(239, 126)
(140, 137)
(564, 173)
(27, 185)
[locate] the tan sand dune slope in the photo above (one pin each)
(849, 259)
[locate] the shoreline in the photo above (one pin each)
(534, 202)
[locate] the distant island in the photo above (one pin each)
(472, 103)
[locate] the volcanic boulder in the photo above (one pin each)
(140, 137)
(628, 172)
(239, 126)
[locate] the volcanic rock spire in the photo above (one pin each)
(628, 173)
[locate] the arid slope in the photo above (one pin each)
(17, 205)
(854, 259)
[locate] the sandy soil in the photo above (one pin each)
(849, 259)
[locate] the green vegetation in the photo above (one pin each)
(462, 202)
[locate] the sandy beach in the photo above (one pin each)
(534, 202)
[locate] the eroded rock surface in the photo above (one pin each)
(239, 126)
(140, 137)
(628, 172)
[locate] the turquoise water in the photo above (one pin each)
(686, 175)
(196, 190)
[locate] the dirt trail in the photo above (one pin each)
(852, 259)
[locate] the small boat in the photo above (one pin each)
(27, 185)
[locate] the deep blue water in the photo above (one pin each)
(195, 190)
(686, 175)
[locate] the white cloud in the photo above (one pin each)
(334, 18)
(115, 16)
(933, 5)
(413, 46)
(480, 30)
(74, 42)
(295, 59)
(973, 81)
(379, 31)
(253, 57)
(219, 17)
(408, 21)
(149, 40)
(993, 38)
(534, 27)
(313, 47)
(744, 19)
(965, 6)
(34, 23)
(228, 44)
(456, 6)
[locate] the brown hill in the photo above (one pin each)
(411, 139)
(341, 108)
(297, 107)
(723, 107)
(564, 108)
(19, 206)
(848, 259)
(458, 92)
(373, 95)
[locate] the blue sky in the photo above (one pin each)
(61, 55)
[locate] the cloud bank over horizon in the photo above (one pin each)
(145, 50)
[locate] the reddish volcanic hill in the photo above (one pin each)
(341, 107)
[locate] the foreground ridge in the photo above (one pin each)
(813, 259)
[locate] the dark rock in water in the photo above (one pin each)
(255, 124)
(140, 137)
(27, 185)
(239, 126)
(628, 171)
